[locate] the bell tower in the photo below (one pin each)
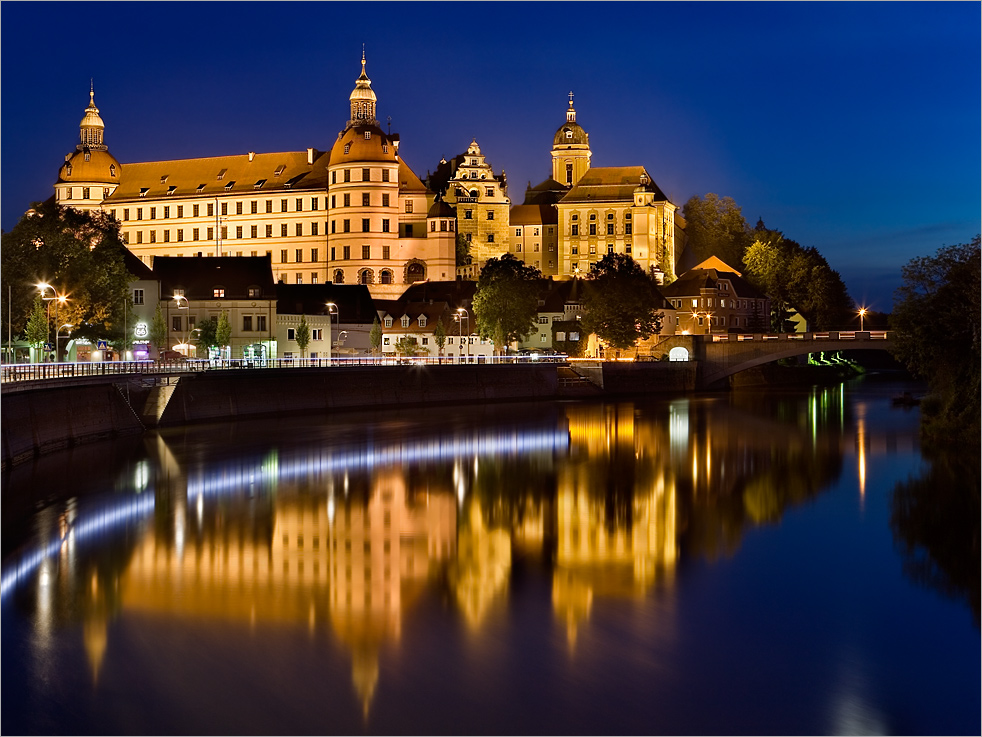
(570, 150)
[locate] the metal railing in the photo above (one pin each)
(43, 371)
(827, 335)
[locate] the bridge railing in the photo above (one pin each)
(41, 371)
(824, 336)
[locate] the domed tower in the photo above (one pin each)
(363, 195)
(570, 150)
(91, 174)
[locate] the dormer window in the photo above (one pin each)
(255, 292)
(259, 184)
(405, 321)
(279, 170)
(422, 321)
(143, 191)
(88, 156)
(68, 170)
(388, 322)
(368, 135)
(347, 148)
(385, 149)
(171, 189)
(200, 187)
(229, 186)
(221, 174)
(218, 292)
(569, 133)
(112, 170)
(163, 179)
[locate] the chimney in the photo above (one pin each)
(310, 156)
(252, 155)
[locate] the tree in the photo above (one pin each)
(223, 332)
(621, 302)
(158, 331)
(463, 250)
(506, 302)
(37, 330)
(376, 335)
(303, 336)
(440, 335)
(207, 332)
(407, 346)
(715, 227)
(81, 254)
(936, 335)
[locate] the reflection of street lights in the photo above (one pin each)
(58, 337)
(862, 314)
(460, 317)
(332, 309)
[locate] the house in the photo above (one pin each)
(714, 297)
(340, 317)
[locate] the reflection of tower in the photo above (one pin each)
(95, 627)
(483, 565)
(381, 552)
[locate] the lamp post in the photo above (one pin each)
(58, 337)
(460, 317)
(332, 309)
(185, 306)
(862, 314)
(54, 296)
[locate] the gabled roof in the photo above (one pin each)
(135, 266)
(693, 281)
(458, 293)
(408, 181)
(217, 173)
(612, 183)
(354, 301)
(533, 215)
(548, 192)
(198, 276)
(714, 262)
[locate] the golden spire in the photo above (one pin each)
(571, 113)
(362, 99)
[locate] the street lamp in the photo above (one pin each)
(460, 317)
(862, 314)
(54, 296)
(332, 309)
(58, 337)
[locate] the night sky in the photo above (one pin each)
(851, 127)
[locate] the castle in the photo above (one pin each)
(358, 214)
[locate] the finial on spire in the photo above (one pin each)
(91, 91)
(571, 113)
(571, 98)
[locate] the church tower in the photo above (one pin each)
(91, 174)
(570, 150)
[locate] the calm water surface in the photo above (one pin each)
(766, 563)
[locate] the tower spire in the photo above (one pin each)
(571, 113)
(91, 129)
(362, 99)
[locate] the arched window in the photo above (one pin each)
(678, 354)
(338, 276)
(112, 170)
(366, 276)
(415, 271)
(385, 277)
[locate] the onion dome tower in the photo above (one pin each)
(89, 175)
(570, 150)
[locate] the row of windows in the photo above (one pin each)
(366, 199)
(209, 209)
(734, 304)
(473, 194)
(250, 323)
(574, 229)
(535, 247)
(314, 279)
(366, 226)
(366, 172)
(469, 215)
(298, 255)
(86, 192)
(535, 231)
(593, 248)
(209, 233)
(366, 253)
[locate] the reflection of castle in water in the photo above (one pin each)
(347, 539)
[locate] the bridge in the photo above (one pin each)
(721, 355)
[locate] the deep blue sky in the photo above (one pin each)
(852, 127)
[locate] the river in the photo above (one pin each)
(754, 562)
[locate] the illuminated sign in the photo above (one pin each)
(141, 330)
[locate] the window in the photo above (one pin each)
(139, 236)
(347, 199)
(490, 191)
(366, 174)
(385, 225)
(366, 199)
(593, 228)
(283, 256)
(254, 292)
(166, 211)
(346, 226)
(313, 255)
(269, 231)
(347, 174)
(366, 277)
(490, 237)
(126, 214)
(388, 322)
(366, 252)
(334, 177)
(313, 203)
(518, 248)
(261, 323)
(195, 234)
(338, 276)
(405, 321)
(211, 233)
(593, 249)
(291, 334)
(282, 230)
(345, 253)
(298, 230)
(422, 321)
(385, 277)
(269, 205)
(254, 231)
(238, 231)
(313, 277)
(247, 323)
(153, 236)
(238, 208)
(518, 231)
(468, 214)
(490, 214)
(153, 213)
(467, 237)
(299, 255)
(575, 230)
(628, 228)
(175, 324)
(254, 206)
(313, 228)
(299, 278)
(610, 228)
(409, 205)
(385, 172)
(347, 149)
(180, 235)
(218, 292)
(334, 200)
(365, 222)
(433, 226)
(569, 167)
